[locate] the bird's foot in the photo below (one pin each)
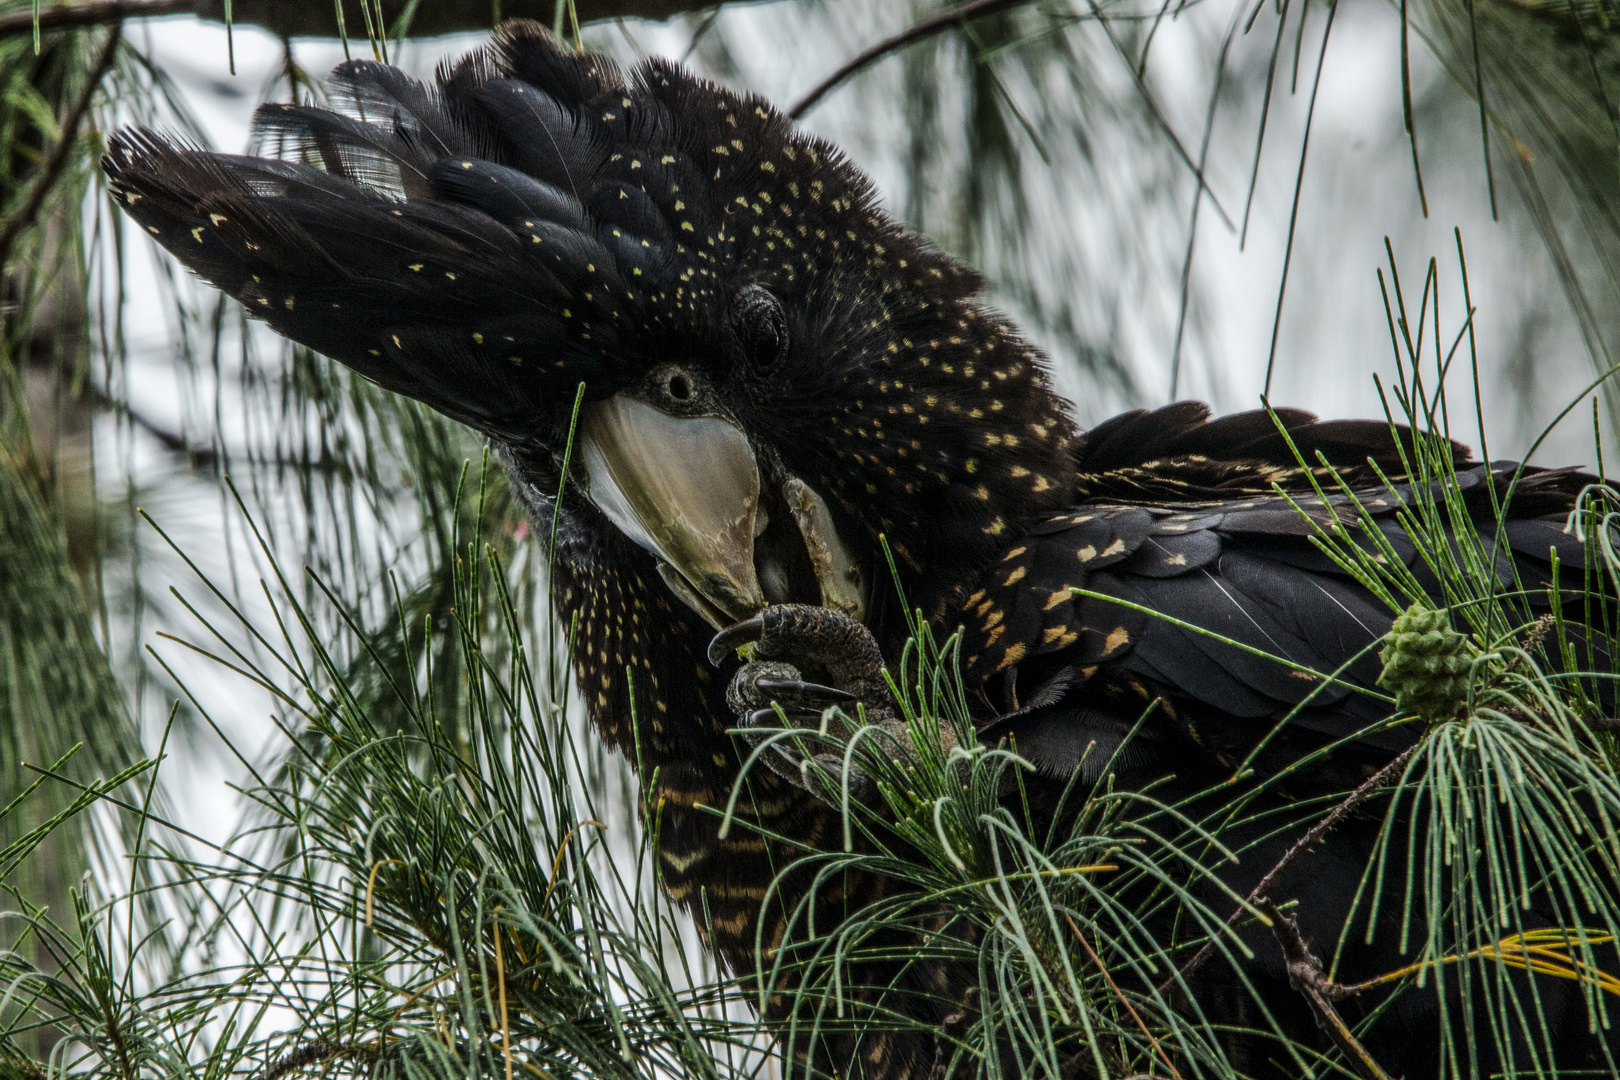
(824, 672)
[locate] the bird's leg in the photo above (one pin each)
(806, 660)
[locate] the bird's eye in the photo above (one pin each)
(760, 323)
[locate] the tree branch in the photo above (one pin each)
(314, 1052)
(317, 18)
(1306, 976)
(1312, 837)
(945, 20)
(1158, 1048)
(13, 226)
(95, 13)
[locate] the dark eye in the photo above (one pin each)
(760, 323)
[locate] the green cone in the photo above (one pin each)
(1426, 664)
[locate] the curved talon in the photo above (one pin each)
(804, 689)
(795, 715)
(732, 637)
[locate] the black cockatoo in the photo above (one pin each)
(779, 379)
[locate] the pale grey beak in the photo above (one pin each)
(684, 488)
(687, 489)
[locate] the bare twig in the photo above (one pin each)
(14, 225)
(1538, 633)
(945, 20)
(1306, 976)
(316, 1050)
(1312, 837)
(1328, 824)
(506, 1026)
(317, 18)
(1532, 641)
(1120, 994)
(307, 1054)
(204, 459)
(94, 13)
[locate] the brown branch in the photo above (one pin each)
(317, 18)
(1120, 994)
(1312, 837)
(1306, 976)
(14, 225)
(1328, 824)
(202, 458)
(312, 1052)
(94, 13)
(945, 20)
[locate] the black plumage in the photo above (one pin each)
(536, 220)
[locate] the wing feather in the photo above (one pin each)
(1243, 570)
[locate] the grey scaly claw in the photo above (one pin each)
(807, 660)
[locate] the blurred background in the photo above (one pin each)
(1176, 198)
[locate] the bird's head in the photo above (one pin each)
(775, 372)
